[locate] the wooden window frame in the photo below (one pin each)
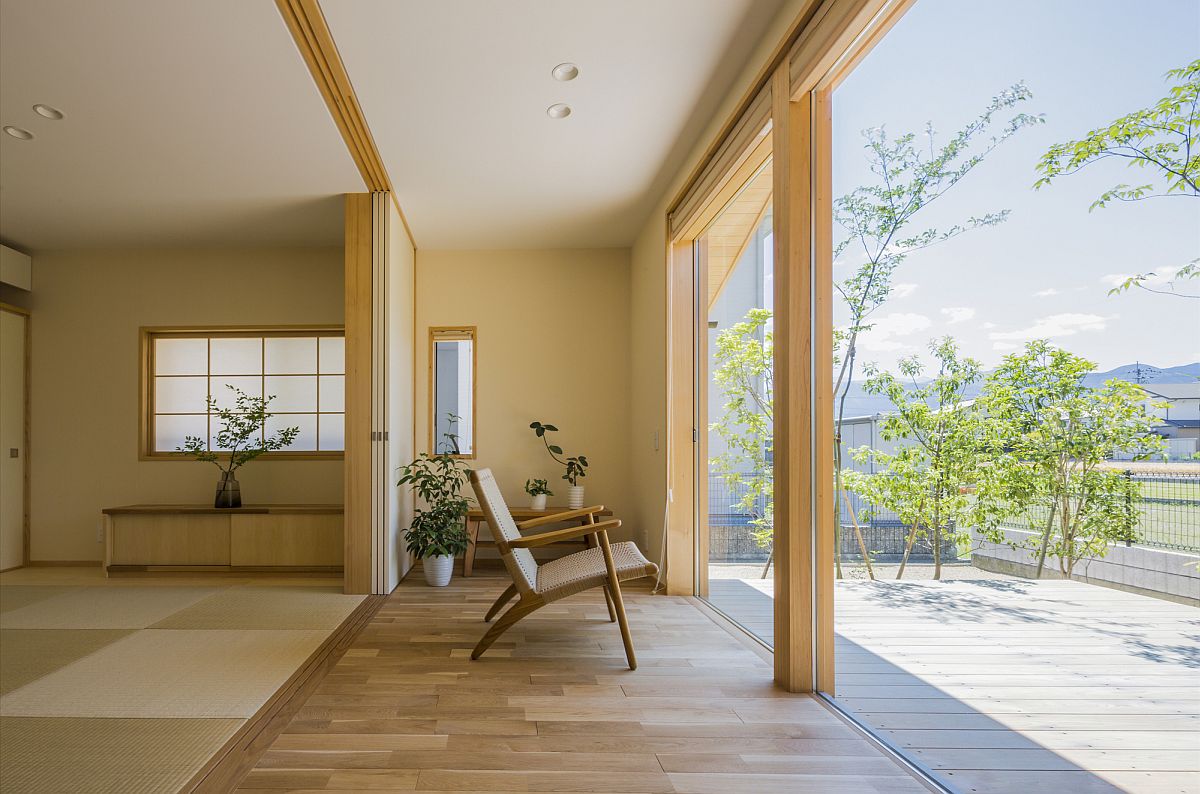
(468, 332)
(826, 40)
(146, 375)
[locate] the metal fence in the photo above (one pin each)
(1165, 512)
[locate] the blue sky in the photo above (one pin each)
(1042, 273)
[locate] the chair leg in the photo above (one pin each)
(592, 543)
(504, 598)
(514, 613)
(614, 587)
(608, 601)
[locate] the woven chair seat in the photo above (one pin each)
(584, 570)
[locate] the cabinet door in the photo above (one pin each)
(179, 539)
(12, 439)
(287, 539)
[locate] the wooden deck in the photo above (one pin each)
(1016, 685)
(552, 707)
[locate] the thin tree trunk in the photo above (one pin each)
(862, 546)
(912, 538)
(1046, 540)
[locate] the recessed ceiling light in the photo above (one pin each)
(558, 111)
(48, 112)
(564, 72)
(17, 132)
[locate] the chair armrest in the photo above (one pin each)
(567, 516)
(545, 538)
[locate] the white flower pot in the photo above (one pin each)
(574, 496)
(538, 503)
(438, 570)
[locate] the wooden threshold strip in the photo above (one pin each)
(241, 752)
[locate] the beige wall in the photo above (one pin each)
(553, 345)
(648, 319)
(87, 308)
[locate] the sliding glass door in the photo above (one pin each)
(734, 259)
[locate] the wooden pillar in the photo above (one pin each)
(793, 440)
(357, 463)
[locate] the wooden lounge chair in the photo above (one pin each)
(603, 564)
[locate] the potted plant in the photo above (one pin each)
(538, 490)
(576, 467)
(241, 438)
(438, 533)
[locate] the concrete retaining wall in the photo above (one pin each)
(1170, 574)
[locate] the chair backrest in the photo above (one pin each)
(520, 562)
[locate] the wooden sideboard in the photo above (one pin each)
(196, 537)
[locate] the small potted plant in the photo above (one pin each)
(240, 440)
(438, 532)
(538, 490)
(576, 467)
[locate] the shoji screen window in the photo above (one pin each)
(301, 370)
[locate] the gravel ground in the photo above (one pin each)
(956, 571)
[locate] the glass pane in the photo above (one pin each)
(453, 396)
(331, 435)
(290, 355)
(333, 393)
(306, 441)
(236, 356)
(180, 395)
(292, 393)
(180, 356)
(169, 431)
(736, 259)
(226, 397)
(215, 426)
(333, 354)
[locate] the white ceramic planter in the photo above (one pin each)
(538, 503)
(438, 570)
(574, 496)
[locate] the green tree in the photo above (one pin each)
(1164, 139)
(876, 220)
(927, 479)
(1046, 436)
(744, 365)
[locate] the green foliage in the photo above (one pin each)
(1162, 137)
(538, 488)
(743, 372)
(241, 438)
(438, 528)
(1045, 436)
(1189, 271)
(576, 467)
(926, 481)
(450, 445)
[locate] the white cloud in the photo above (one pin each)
(987, 325)
(899, 324)
(1004, 346)
(903, 290)
(1046, 293)
(958, 314)
(1055, 325)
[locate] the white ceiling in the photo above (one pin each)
(455, 93)
(188, 123)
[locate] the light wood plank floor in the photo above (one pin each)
(1016, 685)
(552, 707)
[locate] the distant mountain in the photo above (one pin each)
(1146, 373)
(859, 403)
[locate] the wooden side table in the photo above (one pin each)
(476, 517)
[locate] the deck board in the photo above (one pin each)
(1015, 685)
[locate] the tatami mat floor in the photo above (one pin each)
(131, 684)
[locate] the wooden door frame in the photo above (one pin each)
(824, 45)
(27, 431)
